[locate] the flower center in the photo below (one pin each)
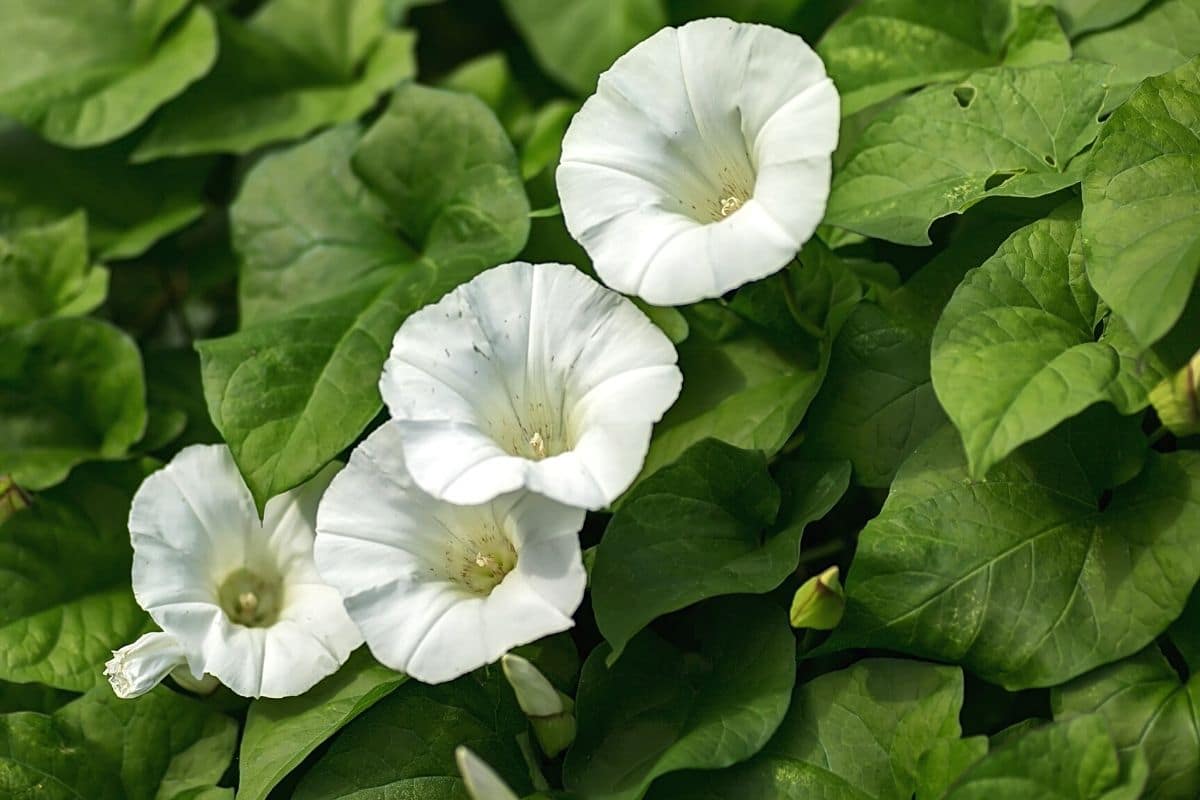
(249, 599)
(538, 445)
(730, 204)
(479, 562)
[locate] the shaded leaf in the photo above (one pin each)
(294, 67)
(663, 708)
(71, 390)
(82, 74)
(699, 528)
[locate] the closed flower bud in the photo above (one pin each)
(482, 781)
(1176, 401)
(819, 603)
(549, 710)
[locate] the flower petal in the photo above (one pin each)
(392, 551)
(192, 525)
(702, 162)
(137, 668)
(495, 384)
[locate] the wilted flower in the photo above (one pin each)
(440, 589)
(702, 162)
(236, 598)
(528, 377)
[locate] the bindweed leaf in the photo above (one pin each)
(701, 527)
(663, 708)
(294, 67)
(860, 734)
(1148, 711)
(71, 390)
(281, 733)
(66, 603)
(113, 63)
(999, 133)
(1020, 576)
(1014, 352)
(1141, 204)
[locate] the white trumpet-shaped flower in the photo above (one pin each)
(529, 377)
(236, 598)
(439, 589)
(702, 162)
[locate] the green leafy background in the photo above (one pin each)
(214, 214)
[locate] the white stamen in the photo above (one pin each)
(538, 444)
(730, 204)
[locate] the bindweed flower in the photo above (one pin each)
(439, 589)
(702, 162)
(528, 377)
(236, 598)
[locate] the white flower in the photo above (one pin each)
(241, 599)
(529, 376)
(702, 162)
(440, 589)
(137, 668)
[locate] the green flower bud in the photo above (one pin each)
(549, 710)
(12, 498)
(819, 603)
(1176, 401)
(482, 781)
(536, 695)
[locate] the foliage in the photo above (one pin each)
(972, 393)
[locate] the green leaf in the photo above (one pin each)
(65, 601)
(71, 390)
(1165, 35)
(1014, 352)
(699, 528)
(86, 74)
(1080, 16)
(128, 208)
(1073, 760)
(45, 272)
(162, 744)
(326, 280)
(38, 759)
(750, 370)
(1000, 133)
(1141, 204)
(1147, 708)
(279, 734)
(1023, 578)
(404, 746)
(877, 403)
(945, 44)
(294, 67)
(156, 747)
(942, 763)
(662, 708)
(574, 42)
(1185, 632)
(855, 734)
(32, 697)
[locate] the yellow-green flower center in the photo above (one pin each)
(249, 599)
